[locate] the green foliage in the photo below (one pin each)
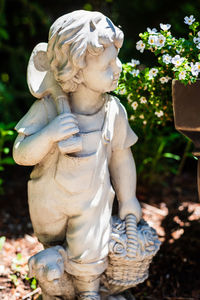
(17, 263)
(19, 23)
(14, 279)
(6, 138)
(33, 282)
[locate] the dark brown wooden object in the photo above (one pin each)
(186, 106)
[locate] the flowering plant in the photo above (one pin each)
(180, 55)
(146, 91)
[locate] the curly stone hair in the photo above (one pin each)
(71, 36)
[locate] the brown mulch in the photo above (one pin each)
(173, 210)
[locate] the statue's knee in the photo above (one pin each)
(49, 240)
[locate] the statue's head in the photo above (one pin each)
(72, 37)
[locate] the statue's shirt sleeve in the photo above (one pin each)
(38, 116)
(122, 134)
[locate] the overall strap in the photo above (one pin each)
(105, 128)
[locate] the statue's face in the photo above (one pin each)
(102, 72)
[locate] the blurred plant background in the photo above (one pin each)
(161, 151)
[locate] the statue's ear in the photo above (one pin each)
(38, 72)
(78, 78)
(31, 263)
(62, 251)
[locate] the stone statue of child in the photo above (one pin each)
(70, 192)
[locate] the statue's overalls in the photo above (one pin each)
(70, 197)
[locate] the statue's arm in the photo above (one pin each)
(30, 150)
(123, 176)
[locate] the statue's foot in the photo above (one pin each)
(89, 296)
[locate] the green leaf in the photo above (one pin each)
(19, 256)
(34, 283)
(14, 279)
(171, 155)
(147, 160)
(4, 34)
(6, 150)
(2, 242)
(87, 6)
(7, 161)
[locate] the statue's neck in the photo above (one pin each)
(86, 101)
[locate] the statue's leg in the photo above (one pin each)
(87, 288)
(51, 233)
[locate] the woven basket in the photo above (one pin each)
(132, 248)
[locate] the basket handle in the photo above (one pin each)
(131, 232)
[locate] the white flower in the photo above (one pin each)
(140, 46)
(161, 40)
(195, 68)
(143, 100)
(134, 63)
(134, 105)
(182, 75)
(177, 60)
(189, 20)
(159, 113)
(152, 40)
(152, 73)
(151, 31)
(198, 66)
(196, 40)
(165, 27)
(144, 122)
(164, 79)
(135, 73)
(198, 46)
(141, 116)
(132, 118)
(198, 33)
(167, 59)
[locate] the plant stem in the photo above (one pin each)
(182, 163)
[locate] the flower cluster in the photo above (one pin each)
(148, 90)
(180, 55)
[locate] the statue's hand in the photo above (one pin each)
(62, 127)
(130, 207)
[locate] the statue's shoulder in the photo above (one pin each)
(117, 108)
(40, 114)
